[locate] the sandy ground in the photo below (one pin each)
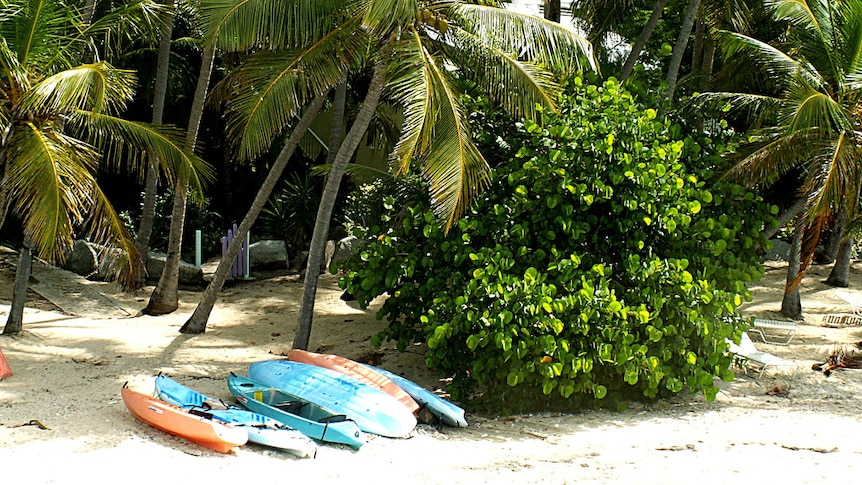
(68, 372)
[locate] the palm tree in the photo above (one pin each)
(815, 116)
(58, 118)
(413, 43)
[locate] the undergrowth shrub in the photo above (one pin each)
(597, 268)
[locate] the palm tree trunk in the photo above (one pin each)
(327, 200)
(791, 304)
(88, 11)
(15, 321)
(840, 274)
(145, 229)
(197, 323)
(339, 105)
(785, 217)
(643, 37)
(679, 47)
(552, 10)
(165, 297)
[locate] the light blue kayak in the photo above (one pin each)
(261, 429)
(448, 413)
(311, 419)
(373, 410)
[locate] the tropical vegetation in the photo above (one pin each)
(565, 210)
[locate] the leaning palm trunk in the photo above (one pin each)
(327, 200)
(840, 274)
(145, 229)
(197, 323)
(165, 297)
(15, 321)
(642, 39)
(679, 47)
(791, 304)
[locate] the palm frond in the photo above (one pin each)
(127, 21)
(776, 153)
(518, 86)
(107, 228)
(809, 108)
(127, 141)
(383, 17)
(835, 179)
(553, 45)
(453, 165)
(238, 25)
(852, 50)
(49, 178)
(15, 76)
(38, 31)
(267, 91)
(776, 64)
(754, 106)
(410, 86)
(92, 87)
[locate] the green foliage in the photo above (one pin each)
(596, 268)
(290, 212)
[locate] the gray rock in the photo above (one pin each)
(780, 251)
(189, 273)
(82, 259)
(268, 253)
(344, 249)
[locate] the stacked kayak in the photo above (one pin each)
(261, 429)
(448, 413)
(361, 373)
(179, 422)
(311, 419)
(373, 410)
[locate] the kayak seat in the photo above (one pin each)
(292, 407)
(335, 418)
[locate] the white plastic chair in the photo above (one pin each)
(778, 332)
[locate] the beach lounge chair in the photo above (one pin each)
(777, 332)
(749, 359)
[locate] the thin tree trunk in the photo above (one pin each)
(791, 304)
(679, 47)
(148, 214)
(552, 10)
(339, 105)
(88, 11)
(834, 239)
(15, 321)
(165, 297)
(197, 323)
(697, 48)
(643, 37)
(840, 274)
(707, 62)
(788, 215)
(327, 200)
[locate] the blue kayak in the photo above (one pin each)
(373, 410)
(261, 429)
(311, 419)
(448, 413)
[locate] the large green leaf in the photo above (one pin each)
(93, 87)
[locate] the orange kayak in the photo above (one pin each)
(357, 371)
(171, 419)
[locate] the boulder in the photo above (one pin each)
(780, 251)
(344, 249)
(82, 259)
(269, 253)
(189, 273)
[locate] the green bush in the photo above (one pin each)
(596, 269)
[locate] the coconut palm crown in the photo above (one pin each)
(813, 121)
(59, 119)
(303, 47)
